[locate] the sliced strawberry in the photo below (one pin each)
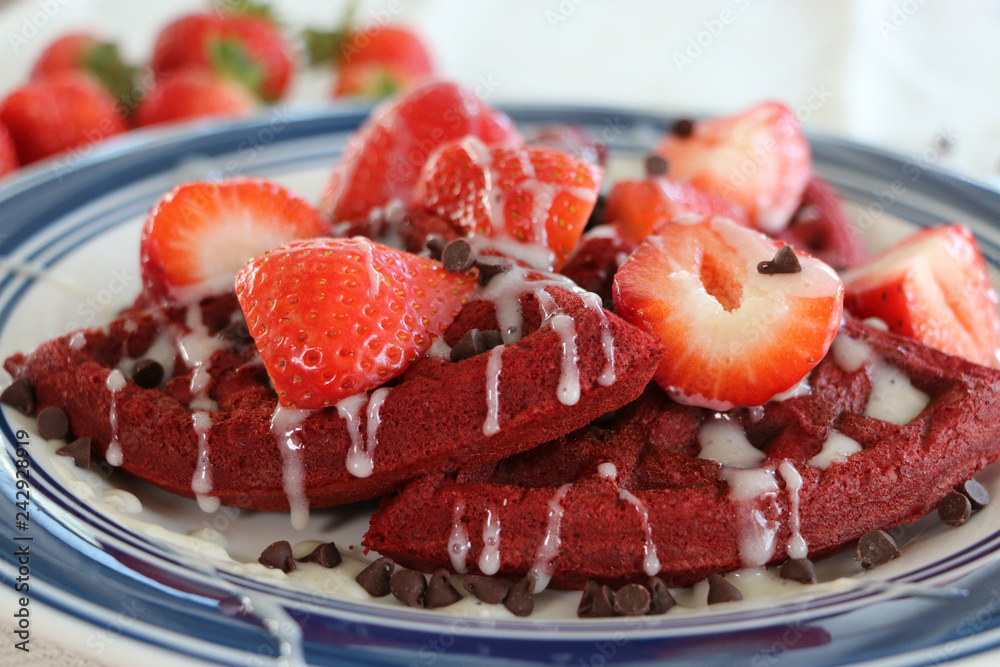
(533, 196)
(8, 154)
(933, 286)
(758, 159)
(337, 317)
(640, 206)
(59, 113)
(200, 234)
(570, 139)
(734, 336)
(383, 158)
(194, 93)
(821, 227)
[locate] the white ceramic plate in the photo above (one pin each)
(69, 239)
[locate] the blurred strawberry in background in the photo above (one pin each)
(194, 93)
(373, 61)
(8, 156)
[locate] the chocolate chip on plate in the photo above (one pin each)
(683, 127)
(977, 494)
(325, 555)
(520, 601)
(954, 509)
(458, 256)
(798, 569)
(440, 592)
(278, 555)
(597, 601)
(408, 586)
(784, 261)
(79, 450)
(486, 589)
(20, 395)
(656, 165)
(147, 373)
(660, 600)
(632, 600)
(53, 423)
(876, 547)
(721, 589)
(490, 266)
(375, 578)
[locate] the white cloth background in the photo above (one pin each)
(899, 74)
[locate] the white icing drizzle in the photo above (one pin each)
(568, 391)
(797, 547)
(836, 448)
(800, 388)
(607, 470)
(286, 423)
(893, 398)
(439, 348)
(77, 341)
(374, 277)
(201, 481)
(850, 353)
(115, 382)
(489, 558)
(196, 348)
(458, 541)
(650, 561)
(360, 460)
(747, 489)
(493, 367)
(541, 569)
(723, 440)
(607, 376)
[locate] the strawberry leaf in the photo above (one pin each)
(246, 8)
(230, 60)
(105, 62)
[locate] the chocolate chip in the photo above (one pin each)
(798, 569)
(458, 257)
(632, 600)
(53, 423)
(440, 592)
(597, 213)
(147, 373)
(683, 127)
(660, 598)
(79, 449)
(435, 244)
(875, 548)
(656, 165)
(784, 261)
(721, 590)
(977, 494)
(375, 578)
(469, 345)
(519, 600)
(491, 266)
(486, 589)
(278, 556)
(325, 555)
(490, 339)
(954, 509)
(20, 395)
(408, 586)
(597, 601)
(237, 332)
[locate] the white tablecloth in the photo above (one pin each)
(915, 76)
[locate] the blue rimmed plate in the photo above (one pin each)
(113, 552)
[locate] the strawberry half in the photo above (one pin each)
(734, 336)
(642, 205)
(933, 286)
(532, 196)
(336, 317)
(383, 158)
(200, 234)
(758, 159)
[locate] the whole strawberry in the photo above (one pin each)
(194, 93)
(58, 113)
(242, 44)
(8, 154)
(85, 53)
(337, 317)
